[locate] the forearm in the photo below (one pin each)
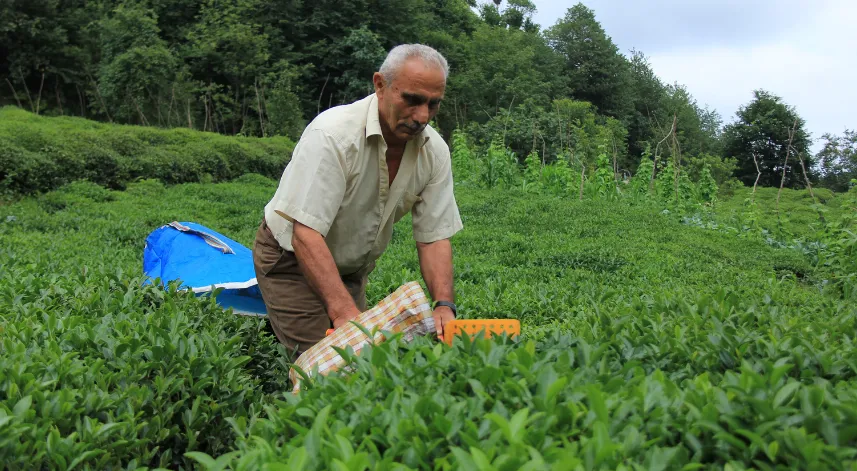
(318, 267)
(436, 266)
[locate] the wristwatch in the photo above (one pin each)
(448, 304)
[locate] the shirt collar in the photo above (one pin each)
(373, 123)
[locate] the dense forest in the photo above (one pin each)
(267, 67)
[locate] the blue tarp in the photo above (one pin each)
(202, 259)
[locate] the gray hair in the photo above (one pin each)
(398, 55)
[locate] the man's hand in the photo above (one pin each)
(442, 315)
(340, 318)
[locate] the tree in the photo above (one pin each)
(46, 50)
(518, 14)
(763, 129)
(648, 95)
(137, 67)
(837, 160)
(503, 68)
(597, 73)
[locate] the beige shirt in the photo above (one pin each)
(337, 183)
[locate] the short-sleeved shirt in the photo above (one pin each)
(337, 183)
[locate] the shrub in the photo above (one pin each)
(39, 154)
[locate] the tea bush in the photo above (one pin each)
(648, 344)
(38, 154)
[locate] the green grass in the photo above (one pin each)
(648, 344)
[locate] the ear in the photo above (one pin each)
(380, 85)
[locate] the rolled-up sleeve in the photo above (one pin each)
(313, 184)
(435, 215)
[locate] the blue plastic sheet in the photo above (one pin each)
(202, 259)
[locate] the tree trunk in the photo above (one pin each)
(758, 175)
(82, 101)
(14, 94)
(259, 107)
(39, 97)
(785, 165)
(318, 107)
(26, 89)
(57, 90)
(189, 121)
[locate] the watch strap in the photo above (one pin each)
(448, 304)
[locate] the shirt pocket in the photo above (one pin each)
(406, 204)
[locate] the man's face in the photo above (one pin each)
(406, 105)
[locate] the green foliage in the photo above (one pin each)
(256, 68)
(665, 184)
(840, 238)
(40, 154)
(629, 338)
(533, 173)
(642, 179)
(707, 186)
(604, 179)
(596, 72)
(283, 108)
(136, 63)
(464, 165)
(721, 169)
(559, 179)
(763, 128)
(499, 167)
(838, 160)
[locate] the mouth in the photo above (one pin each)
(410, 130)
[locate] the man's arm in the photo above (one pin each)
(436, 266)
(320, 270)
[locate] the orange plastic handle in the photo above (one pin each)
(510, 327)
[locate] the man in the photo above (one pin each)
(356, 170)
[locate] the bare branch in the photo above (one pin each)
(758, 175)
(318, 105)
(82, 104)
(100, 98)
(39, 97)
(808, 184)
(26, 89)
(57, 90)
(785, 165)
(259, 107)
(657, 147)
(14, 94)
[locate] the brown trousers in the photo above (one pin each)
(297, 314)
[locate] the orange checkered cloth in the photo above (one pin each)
(406, 311)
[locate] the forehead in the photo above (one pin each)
(418, 78)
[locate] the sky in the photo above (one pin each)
(803, 51)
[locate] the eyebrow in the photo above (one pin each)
(417, 99)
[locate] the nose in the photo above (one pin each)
(421, 114)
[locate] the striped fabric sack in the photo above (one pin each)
(406, 311)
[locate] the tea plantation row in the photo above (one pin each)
(39, 154)
(648, 344)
